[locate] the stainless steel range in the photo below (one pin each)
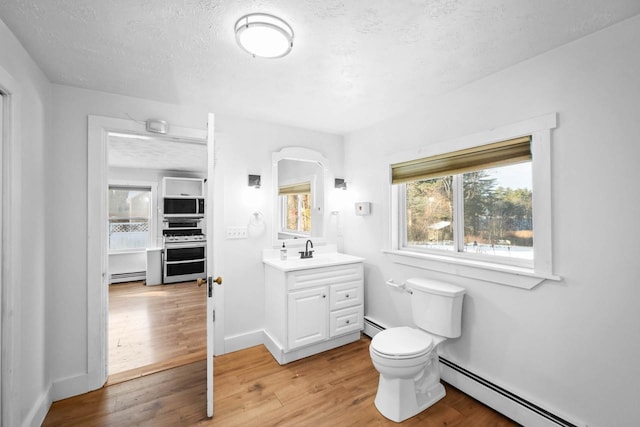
(184, 250)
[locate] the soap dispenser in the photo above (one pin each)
(283, 252)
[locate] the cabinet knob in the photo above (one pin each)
(324, 296)
(347, 322)
(347, 296)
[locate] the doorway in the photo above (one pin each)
(99, 128)
(153, 324)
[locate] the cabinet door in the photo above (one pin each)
(308, 318)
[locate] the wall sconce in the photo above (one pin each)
(254, 181)
(340, 183)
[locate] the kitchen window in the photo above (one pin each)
(466, 206)
(129, 217)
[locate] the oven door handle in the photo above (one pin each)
(184, 245)
(186, 261)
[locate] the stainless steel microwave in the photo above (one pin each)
(192, 207)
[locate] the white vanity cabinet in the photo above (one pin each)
(313, 309)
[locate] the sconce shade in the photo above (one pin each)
(254, 181)
(263, 35)
(340, 183)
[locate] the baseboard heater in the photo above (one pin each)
(556, 420)
(372, 327)
(126, 277)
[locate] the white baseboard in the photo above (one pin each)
(39, 410)
(70, 386)
(242, 341)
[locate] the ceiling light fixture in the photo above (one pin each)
(264, 36)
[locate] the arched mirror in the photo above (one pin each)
(299, 192)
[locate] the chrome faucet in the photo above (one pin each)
(307, 253)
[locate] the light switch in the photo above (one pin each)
(237, 232)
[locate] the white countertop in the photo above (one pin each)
(328, 259)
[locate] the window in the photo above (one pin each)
(480, 202)
(475, 201)
(129, 217)
(494, 210)
(296, 208)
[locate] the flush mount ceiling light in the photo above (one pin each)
(264, 36)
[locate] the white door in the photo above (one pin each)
(211, 285)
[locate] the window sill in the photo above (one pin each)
(127, 251)
(518, 277)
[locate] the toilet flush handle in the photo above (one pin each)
(401, 286)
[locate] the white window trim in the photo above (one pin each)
(492, 271)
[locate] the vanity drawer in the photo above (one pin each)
(345, 321)
(345, 295)
(323, 276)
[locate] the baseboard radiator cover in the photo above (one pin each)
(127, 277)
(507, 403)
(372, 326)
(492, 395)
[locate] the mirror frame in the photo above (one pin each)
(305, 155)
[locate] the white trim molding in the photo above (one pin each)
(99, 128)
(10, 297)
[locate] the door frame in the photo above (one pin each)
(97, 254)
(10, 248)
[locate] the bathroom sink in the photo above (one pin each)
(293, 263)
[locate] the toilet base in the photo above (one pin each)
(398, 400)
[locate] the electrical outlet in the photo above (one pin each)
(237, 232)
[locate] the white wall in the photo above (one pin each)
(242, 147)
(570, 346)
(31, 377)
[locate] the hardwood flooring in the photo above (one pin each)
(334, 388)
(153, 328)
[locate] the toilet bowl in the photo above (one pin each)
(407, 357)
(409, 374)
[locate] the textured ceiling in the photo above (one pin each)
(354, 62)
(156, 153)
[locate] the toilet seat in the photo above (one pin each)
(402, 343)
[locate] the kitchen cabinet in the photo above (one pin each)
(182, 187)
(314, 309)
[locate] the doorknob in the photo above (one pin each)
(218, 280)
(200, 281)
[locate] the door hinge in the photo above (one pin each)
(213, 315)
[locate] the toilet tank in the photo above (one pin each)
(436, 306)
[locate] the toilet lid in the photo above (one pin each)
(402, 342)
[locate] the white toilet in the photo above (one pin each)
(407, 358)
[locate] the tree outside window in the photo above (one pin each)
(496, 205)
(298, 212)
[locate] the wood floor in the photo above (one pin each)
(152, 328)
(335, 388)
